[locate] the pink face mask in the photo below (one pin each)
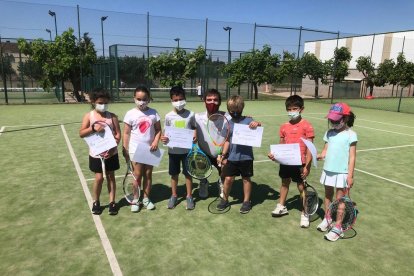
(212, 108)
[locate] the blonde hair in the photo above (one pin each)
(235, 102)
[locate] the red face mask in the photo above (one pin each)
(212, 108)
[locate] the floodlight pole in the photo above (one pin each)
(103, 18)
(178, 42)
(228, 29)
(53, 14)
(50, 34)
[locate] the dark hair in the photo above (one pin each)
(294, 100)
(142, 88)
(349, 119)
(177, 91)
(212, 92)
(99, 92)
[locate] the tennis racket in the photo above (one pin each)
(218, 128)
(310, 199)
(130, 186)
(197, 163)
(345, 208)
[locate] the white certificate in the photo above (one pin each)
(312, 150)
(179, 137)
(244, 135)
(100, 142)
(287, 154)
(143, 155)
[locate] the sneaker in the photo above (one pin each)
(221, 187)
(148, 204)
(246, 207)
(190, 203)
(135, 206)
(203, 190)
(279, 211)
(96, 208)
(172, 202)
(323, 226)
(304, 220)
(334, 234)
(113, 210)
(223, 204)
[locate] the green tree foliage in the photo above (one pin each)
(404, 71)
(257, 67)
(31, 69)
(385, 73)
(289, 69)
(365, 65)
(314, 69)
(176, 67)
(62, 59)
(6, 69)
(339, 64)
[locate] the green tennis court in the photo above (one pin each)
(47, 227)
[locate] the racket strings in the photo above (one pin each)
(198, 165)
(349, 215)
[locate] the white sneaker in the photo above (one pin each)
(279, 211)
(304, 220)
(323, 226)
(135, 206)
(148, 204)
(203, 189)
(221, 187)
(334, 234)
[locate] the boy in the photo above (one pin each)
(292, 132)
(237, 159)
(179, 117)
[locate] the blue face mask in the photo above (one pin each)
(235, 115)
(293, 115)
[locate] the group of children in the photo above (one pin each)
(142, 125)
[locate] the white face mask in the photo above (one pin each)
(338, 126)
(179, 105)
(101, 107)
(293, 115)
(141, 104)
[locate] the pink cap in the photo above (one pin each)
(337, 111)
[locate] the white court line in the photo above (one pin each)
(386, 179)
(113, 262)
(385, 148)
(359, 119)
(119, 176)
(2, 129)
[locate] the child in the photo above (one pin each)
(237, 159)
(179, 117)
(141, 125)
(292, 132)
(90, 124)
(339, 153)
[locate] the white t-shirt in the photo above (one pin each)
(142, 126)
(181, 120)
(204, 141)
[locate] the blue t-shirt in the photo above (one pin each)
(337, 155)
(239, 152)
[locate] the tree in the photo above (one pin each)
(314, 69)
(404, 71)
(290, 68)
(62, 59)
(367, 68)
(132, 70)
(31, 69)
(385, 74)
(339, 64)
(7, 60)
(176, 67)
(257, 67)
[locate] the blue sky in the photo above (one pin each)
(30, 19)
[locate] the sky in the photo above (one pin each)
(186, 20)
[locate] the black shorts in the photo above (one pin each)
(292, 172)
(213, 161)
(236, 168)
(111, 164)
(174, 164)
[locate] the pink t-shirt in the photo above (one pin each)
(292, 133)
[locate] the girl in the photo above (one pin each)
(339, 153)
(90, 124)
(141, 125)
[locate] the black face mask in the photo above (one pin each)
(235, 115)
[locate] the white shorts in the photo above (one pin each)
(337, 180)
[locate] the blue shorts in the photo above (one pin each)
(174, 164)
(292, 172)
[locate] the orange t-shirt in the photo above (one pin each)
(292, 133)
